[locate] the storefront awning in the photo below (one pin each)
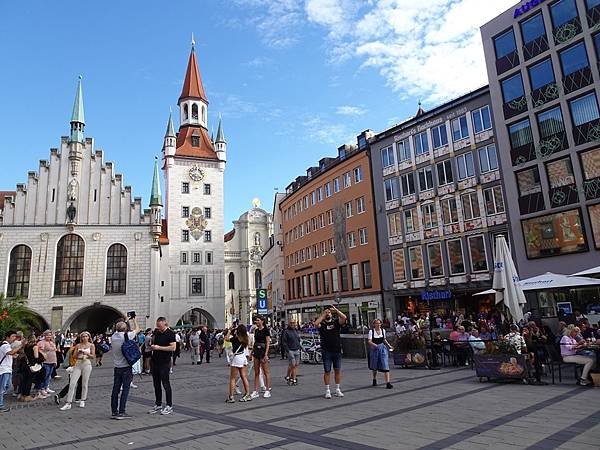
(551, 280)
(488, 292)
(592, 271)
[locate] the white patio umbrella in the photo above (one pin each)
(551, 280)
(506, 280)
(592, 271)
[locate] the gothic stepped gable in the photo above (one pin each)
(101, 197)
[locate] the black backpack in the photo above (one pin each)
(130, 350)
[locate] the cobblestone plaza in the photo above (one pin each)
(447, 408)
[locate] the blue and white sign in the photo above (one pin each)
(262, 302)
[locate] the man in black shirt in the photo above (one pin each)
(163, 345)
(331, 347)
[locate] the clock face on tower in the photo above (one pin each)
(196, 173)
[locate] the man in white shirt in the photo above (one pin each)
(7, 350)
(477, 344)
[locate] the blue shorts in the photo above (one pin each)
(330, 358)
(294, 357)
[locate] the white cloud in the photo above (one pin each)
(430, 49)
(322, 131)
(350, 110)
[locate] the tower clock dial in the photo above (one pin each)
(196, 173)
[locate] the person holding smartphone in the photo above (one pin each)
(331, 347)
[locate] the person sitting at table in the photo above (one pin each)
(587, 332)
(476, 343)
(535, 340)
(437, 347)
(569, 349)
(516, 340)
(460, 345)
(486, 333)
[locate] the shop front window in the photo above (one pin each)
(554, 234)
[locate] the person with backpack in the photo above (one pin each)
(126, 353)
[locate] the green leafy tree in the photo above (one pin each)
(14, 315)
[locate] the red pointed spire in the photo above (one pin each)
(192, 86)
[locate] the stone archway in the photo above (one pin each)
(36, 322)
(196, 317)
(94, 318)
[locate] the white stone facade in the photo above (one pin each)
(106, 214)
(244, 248)
(273, 262)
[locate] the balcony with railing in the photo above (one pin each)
(593, 18)
(515, 107)
(507, 62)
(545, 94)
(587, 132)
(577, 80)
(535, 47)
(567, 31)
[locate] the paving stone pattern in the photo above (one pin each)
(448, 408)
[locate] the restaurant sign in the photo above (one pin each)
(526, 7)
(428, 296)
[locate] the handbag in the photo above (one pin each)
(35, 368)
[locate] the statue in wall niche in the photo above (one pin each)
(71, 213)
(257, 239)
(73, 190)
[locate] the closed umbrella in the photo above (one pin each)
(506, 280)
(584, 273)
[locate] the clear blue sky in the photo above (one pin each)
(293, 79)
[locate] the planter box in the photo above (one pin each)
(411, 358)
(500, 365)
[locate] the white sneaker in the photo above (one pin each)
(171, 371)
(133, 386)
(166, 410)
(50, 391)
(238, 391)
(155, 409)
(267, 394)
(327, 393)
(65, 407)
(82, 404)
(254, 394)
(338, 393)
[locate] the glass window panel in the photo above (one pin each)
(512, 88)
(421, 143)
(541, 74)
(590, 162)
(481, 119)
(404, 153)
(387, 156)
(595, 221)
(520, 134)
(592, 3)
(550, 122)
(560, 173)
(398, 265)
(574, 59)
(562, 11)
(391, 189)
(460, 130)
(584, 109)
(455, 257)
(18, 272)
(408, 184)
(425, 179)
(465, 165)
(478, 254)
(449, 211)
(528, 181)
(439, 135)
(533, 28)
(394, 225)
(436, 266)
(429, 216)
(470, 205)
(415, 258)
(554, 234)
(444, 171)
(505, 44)
(411, 220)
(488, 160)
(597, 44)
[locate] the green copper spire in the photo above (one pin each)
(155, 196)
(220, 134)
(78, 118)
(170, 130)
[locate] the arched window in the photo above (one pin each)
(68, 279)
(257, 279)
(203, 114)
(195, 111)
(116, 269)
(231, 283)
(18, 272)
(185, 112)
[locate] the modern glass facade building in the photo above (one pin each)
(542, 61)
